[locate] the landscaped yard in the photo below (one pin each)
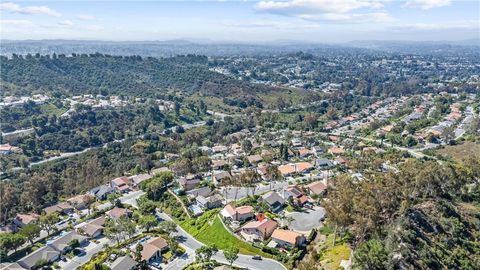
(209, 230)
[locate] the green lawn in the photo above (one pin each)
(209, 230)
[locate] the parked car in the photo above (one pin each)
(257, 257)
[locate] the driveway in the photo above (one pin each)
(90, 250)
(128, 198)
(191, 244)
(304, 222)
(131, 198)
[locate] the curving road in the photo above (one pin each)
(191, 244)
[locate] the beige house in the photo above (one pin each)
(240, 214)
(258, 230)
(287, 238)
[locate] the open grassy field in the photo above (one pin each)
(209, 230)
(461, 151)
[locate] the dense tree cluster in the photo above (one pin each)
(123, 75)
(416, 218)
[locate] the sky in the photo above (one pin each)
(321, 21)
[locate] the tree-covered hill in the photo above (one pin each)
(121, 75)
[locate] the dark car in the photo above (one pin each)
(257, 257)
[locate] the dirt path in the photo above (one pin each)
(180, 201)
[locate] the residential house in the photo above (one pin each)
(296, 142)
(62, 243)
(24, 219)
(159, 170)
(341, 161)
(258, 230)
(219, 149)
(203, 191)
(273, 200)
(239, 214)
(324, 164)
(219, 176)
(153, 248)
(336, 151)
(210, 202)
(92, 229)
(317, 188)
(287, 169)
(266, 153)
(46, 253)
(333, 138)
(135, 180)
(294, 195)
(270, 143)
(124, 263)
(101, 192)
(189, 182)
(304, 152)
(121, 184)
(303, 167)
(207, 150)
(317, 150)
(171, 156)
(60, 208)
(262, 171)
(219, 164)
(254, 159)
(80, 202)
(6, 149)
(117, 213)
(288, 239)
(237, 149)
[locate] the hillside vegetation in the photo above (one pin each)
(424, 217)
(125, 75)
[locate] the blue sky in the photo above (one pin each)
(324, 21)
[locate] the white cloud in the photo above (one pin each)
(85, 17)
(316, 6)
(328, 10)
(16, 23)
(427, 4)
(65, 23)
(28, 10)
(375, 17)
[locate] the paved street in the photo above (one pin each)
(191, 244)
(90, 250)
(304, 222)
